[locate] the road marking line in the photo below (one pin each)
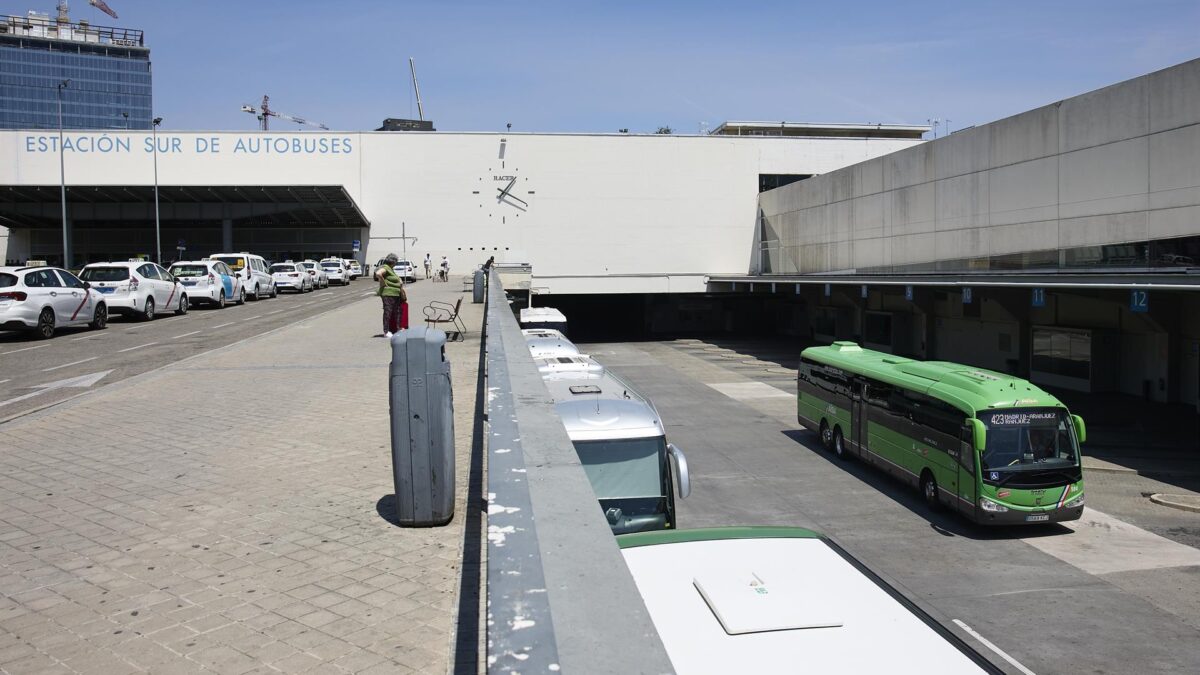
(325, 293)
(3, 381)
(23, 350)
(275, 312)
(984, 641)
(185, 335)
(1126, 547)
(742, 391)
(67, 365)
(148, 344)
(86, 337)
(223, 325)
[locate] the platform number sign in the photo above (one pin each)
(1039, 297)
(356, 244)
(908, 293)
(967, 295)
(1139, 301)
(828, 290)
(864, 290)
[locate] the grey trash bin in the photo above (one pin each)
(422, 412)
(477, 287)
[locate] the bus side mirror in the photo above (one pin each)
(978, 434)
(680, 465)
(1080, 428)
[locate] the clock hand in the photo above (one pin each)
(504, 192)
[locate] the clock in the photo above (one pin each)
(503, 191)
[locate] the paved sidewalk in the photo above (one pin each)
(139, 532)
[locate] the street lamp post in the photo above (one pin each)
(62, 175)
(157, 230)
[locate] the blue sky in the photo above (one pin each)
(581, 66)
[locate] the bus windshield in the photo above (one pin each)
(1027, 439)
(627, 476)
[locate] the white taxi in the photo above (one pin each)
(210, 282)
(337, 271)
(319, 277)
(137, 287)
(291, 276)
(43, 299)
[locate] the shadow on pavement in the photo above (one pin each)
(386, 508)
(467, 630)
(943, 522)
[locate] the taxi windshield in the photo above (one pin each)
(189, 270)
(283, 268)
(104, 274)
(237, 264)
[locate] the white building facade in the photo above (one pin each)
(591, 213)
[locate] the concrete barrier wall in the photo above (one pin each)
(560, 596)
(1116, 165)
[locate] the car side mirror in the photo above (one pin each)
(978, 434)
(682, 481)
(86, 285)
(1080, 428)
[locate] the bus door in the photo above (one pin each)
(966, 473)
(858, 417)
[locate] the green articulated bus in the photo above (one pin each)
(991, 446)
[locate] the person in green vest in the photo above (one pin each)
(395, 299)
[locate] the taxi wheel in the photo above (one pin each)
(100, 317)
(241, 297)
(221, 301)
(148, 313)
(183, 306)
(274, 292)
(45, 324)
(255, 295)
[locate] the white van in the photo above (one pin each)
(252, 270)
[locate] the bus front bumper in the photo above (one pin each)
(1032, 517)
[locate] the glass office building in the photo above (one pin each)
(108, 69)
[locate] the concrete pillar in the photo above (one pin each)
(227, 234)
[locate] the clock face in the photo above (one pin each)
(502, 190)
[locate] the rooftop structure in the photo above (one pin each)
(106, 72)
(813, 130)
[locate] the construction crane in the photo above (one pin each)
(265, 114)
(64, 11)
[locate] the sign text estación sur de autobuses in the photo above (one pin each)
(292, 144)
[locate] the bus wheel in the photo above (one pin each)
(839, 445)
(929, 490)
(826, 435)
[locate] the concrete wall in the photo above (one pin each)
(1120, 164)
(606, 213)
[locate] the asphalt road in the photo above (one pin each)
(1107, 595)
(76, 359)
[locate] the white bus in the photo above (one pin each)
(783, 600)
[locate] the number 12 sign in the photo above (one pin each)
(1139, 301)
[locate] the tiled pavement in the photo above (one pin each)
(157, 526)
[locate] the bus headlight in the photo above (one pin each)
(1074, 502)
(991, 506)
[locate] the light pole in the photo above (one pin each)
(157, 231)
(62, 175)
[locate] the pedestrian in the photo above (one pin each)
(395, 299)
(491, 262)
(444, 268)
(428, 266)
